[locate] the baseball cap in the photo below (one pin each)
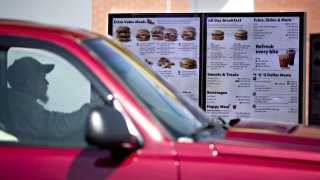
(29, 65)
(25, 68)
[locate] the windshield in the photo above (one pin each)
(179, 117)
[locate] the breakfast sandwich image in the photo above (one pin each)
(188, 63)
(188, 33)
(123, 33)
(143, 35)
(241, 34)
(217, 35)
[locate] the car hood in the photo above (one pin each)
(271, 139)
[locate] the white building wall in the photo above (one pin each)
(76, 13)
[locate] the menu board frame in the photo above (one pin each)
(111, 28)
(203, 45)
(302, 24)
(314, 82)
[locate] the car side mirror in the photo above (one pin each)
(107, 128)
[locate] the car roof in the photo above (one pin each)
(13, 26)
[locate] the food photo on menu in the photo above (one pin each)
(217, 35)
(123, 33)
(143, 35)
(165, 63)
(157, 32)
(170, 34)
(188, 63)
(149, 62)
(241, 34)
(188, 33)
(287, 59)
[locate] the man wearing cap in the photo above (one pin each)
(28, 120)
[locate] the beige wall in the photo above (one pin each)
(309, 6)
(101, 9)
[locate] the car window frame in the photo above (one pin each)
(7, 41)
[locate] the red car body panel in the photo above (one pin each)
(248, 151)
(59, 163)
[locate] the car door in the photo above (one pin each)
(236, 160)
(39, 143)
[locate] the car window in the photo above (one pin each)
(67, 87)
(165, 106)
(45, 100)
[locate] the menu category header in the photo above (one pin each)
(272, 19)
(137, 21)
(224, 20)
(266, 49)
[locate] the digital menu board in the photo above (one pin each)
(233, 65)
(168, 43)
(314, 80)
(254, 66)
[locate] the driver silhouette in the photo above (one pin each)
(26, 118)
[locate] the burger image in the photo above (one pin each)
(170, 34)
(123, 33)
(188, 33)
(188, 63)
(143, 35)
(217, 35)
(241, 35)
(157, 32)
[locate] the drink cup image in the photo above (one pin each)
(291, 52)
(283, 60)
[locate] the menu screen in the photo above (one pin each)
(253, 67)
(170, 45)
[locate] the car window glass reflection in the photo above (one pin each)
(45, 105)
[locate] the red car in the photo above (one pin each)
(77, 105)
